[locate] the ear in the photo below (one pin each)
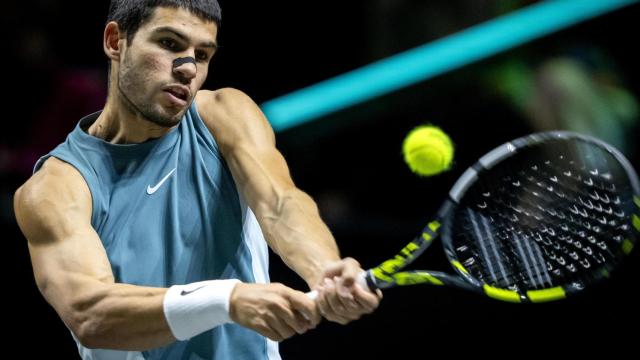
(113, 41)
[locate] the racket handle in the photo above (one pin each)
(361, 280)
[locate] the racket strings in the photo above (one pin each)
(506, 258)
(544, 223)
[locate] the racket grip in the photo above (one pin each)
(361, 280)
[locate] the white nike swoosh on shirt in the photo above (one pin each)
(151, 190)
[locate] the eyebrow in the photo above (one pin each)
(183, 37)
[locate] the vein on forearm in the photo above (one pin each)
(289, 218)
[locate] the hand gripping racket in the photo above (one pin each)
(536, 219)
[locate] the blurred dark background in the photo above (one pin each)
(584, 78)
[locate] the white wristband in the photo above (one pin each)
(197, 307)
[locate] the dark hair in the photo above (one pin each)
(131, 14)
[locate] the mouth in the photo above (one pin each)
(180, 94)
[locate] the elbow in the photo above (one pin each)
(94, 331)
(86, 338)
(81, 305)
(87, 329)
(85, 321)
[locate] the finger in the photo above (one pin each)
(333, 299)
(334, 269)
(366, 299)
(350, 271)
(347, 268)
(345, 295)
(298, 322)
(366, 289)
(379, 293)
(337, 309)
(325, 308)
(292, 316)
(278, 323)
(321, 300)
(330, 314)
(264, 329)
(306, 309)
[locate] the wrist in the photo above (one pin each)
(318, 272)
(197, 307)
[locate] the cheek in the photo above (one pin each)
(143, 72)
(201, 77)
(153, 63)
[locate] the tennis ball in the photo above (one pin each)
(427, 150)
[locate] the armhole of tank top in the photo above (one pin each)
(202, 128)
(84, 177)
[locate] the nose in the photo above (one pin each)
(185, 70)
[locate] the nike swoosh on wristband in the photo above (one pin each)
(151, 190)
(183, 293)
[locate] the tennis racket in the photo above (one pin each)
(536, 219)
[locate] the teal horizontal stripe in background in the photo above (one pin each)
(432, 59)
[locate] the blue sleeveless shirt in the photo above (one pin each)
(168, 212)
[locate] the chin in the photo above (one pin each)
(173, 120)
(165, 118)
(174, 111)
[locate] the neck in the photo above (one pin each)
(118, 124)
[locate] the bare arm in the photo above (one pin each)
(72, 271)
(289, 218)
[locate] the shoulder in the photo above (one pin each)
(50, 193)
(227, 98)
(232, 116)
(54, 175)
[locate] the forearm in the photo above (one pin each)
(122, 317)
(297, 233)
(288, 217)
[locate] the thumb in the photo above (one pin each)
(333, 269)
(347, 269)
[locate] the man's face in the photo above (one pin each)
(148, 83)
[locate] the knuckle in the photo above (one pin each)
(278, 286)
(263, 330)
(275, 308)
(352, 261)
(263, 313)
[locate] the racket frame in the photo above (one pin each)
(389, 273)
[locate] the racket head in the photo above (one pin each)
(542, 217)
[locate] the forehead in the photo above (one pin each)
(184, 21)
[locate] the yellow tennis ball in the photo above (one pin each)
(427, 150)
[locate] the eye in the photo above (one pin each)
(202, 56)
(168, 43)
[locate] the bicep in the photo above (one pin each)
(53, 210)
